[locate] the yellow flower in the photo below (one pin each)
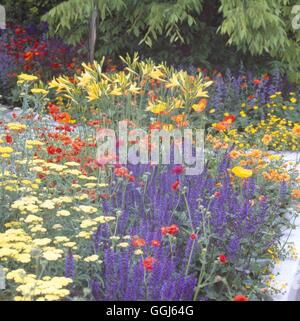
(92, 258)
(133, 89)
(116, 92)
(51, 256)
(242, 172)
(293, 100)
(158, 108)
(39, 91)
(63, 213)
(138, 252)
(16, 126)
(26, 77)
(123, 244)
(156, 74)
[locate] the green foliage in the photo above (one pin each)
(29, 11)
(185, 31)
(263, 26)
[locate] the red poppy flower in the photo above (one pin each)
(193, 236)
(51, 150)
(222, 259)
(173, 229)
(9, 139)
(149, 262)
(256, 82)
(155, 243)
(131, 178)
(164, 230)
(175, 186)
(240, 297)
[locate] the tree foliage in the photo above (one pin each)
(258, 27)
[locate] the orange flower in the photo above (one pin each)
(220, 127)
(295, 193)
(156, 125)
(256, 153)
(179, 119)
(267, 139)
(121, 172)
(234, 154)
(63, 118)
(137, 241)
(240, 297)
(296, 130)
(200, 106)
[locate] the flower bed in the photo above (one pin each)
(76, 227)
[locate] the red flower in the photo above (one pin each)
(53, 109)
(131, 178)
(173, 229)
(229, 118)
(28, 56)
(175, 186)
(121, 172)
(8, 139)
(155, 243)
(222, 259)
(41, 175)
(217, 194)
(149, 262)
(51, 150)
(164, 230)
(193, 236)
(178, 169)
(55, 66)
(137, 241)
(256, 82)
(240, 297)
